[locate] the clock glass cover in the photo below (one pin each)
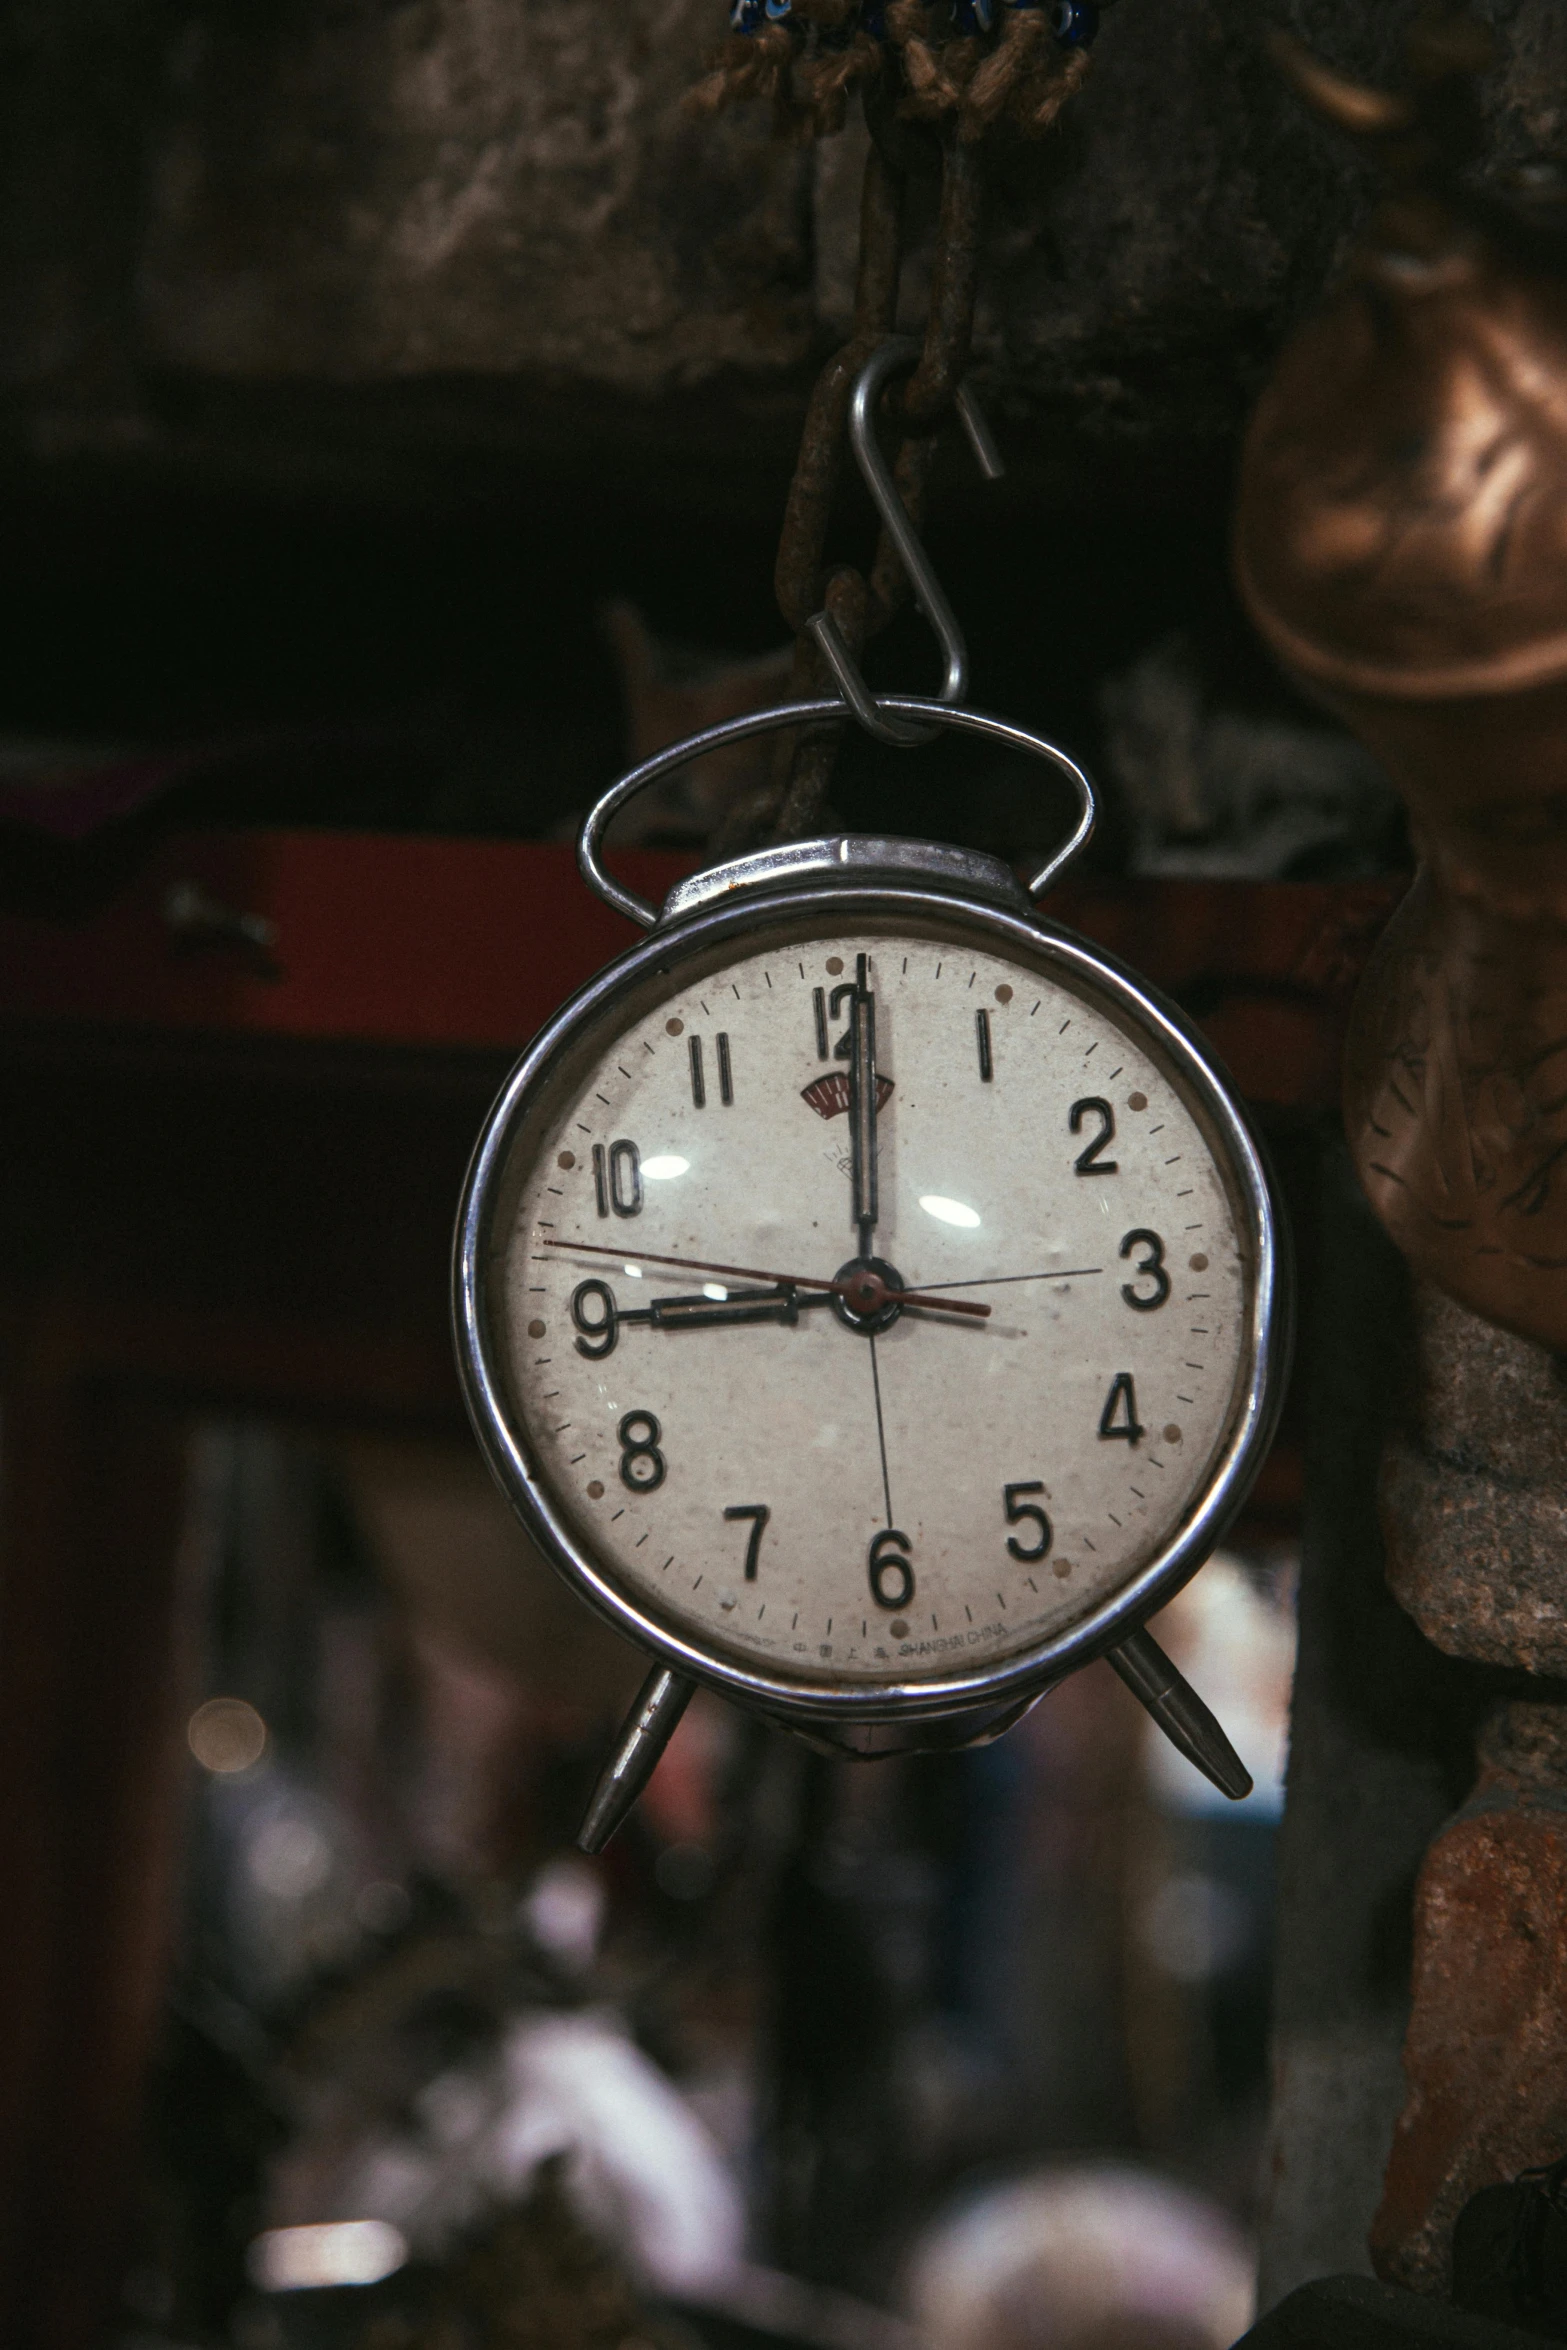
(827, 1487)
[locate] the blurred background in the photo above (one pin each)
(397, 403)
(977, 2040)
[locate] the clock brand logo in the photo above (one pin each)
(829, 1096)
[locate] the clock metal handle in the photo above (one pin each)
(1180, 1713)
(648, 1728)
(938, 714)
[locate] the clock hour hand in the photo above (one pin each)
(780, 1303)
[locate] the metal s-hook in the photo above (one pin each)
(898, 352)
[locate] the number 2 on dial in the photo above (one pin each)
(1088, 1160)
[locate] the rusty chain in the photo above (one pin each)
(927, 106)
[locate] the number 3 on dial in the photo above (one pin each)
(1017, 1513)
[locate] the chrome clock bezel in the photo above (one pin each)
(748, 913)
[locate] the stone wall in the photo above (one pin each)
(206, 206)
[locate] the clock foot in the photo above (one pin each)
(1180, 1713)
(649, 1726)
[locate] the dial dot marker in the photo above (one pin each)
(1172, 1434)
(1003, 995)
(1137, 1101)
(536, 1329)
(1061, 1568)
(1198, 1263)
(595, 1490)
(674, 1028)
(567, 1159)
(898, 1631)
(835, 964)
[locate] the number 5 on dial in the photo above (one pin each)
(1017, 1513)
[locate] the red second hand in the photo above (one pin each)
(866, 1290)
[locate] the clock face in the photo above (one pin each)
(834, 1487)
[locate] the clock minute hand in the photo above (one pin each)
(864, 1290)
(862, 1099)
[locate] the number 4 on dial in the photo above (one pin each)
(1119, 1417)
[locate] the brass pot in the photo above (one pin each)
(1401, 543)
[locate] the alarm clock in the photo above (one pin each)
(869, 1295)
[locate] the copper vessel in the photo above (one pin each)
(1401, 542)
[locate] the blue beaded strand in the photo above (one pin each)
(1074, 22)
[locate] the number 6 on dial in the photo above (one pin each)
(892, 1578)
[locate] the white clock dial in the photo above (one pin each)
(762, 1468)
